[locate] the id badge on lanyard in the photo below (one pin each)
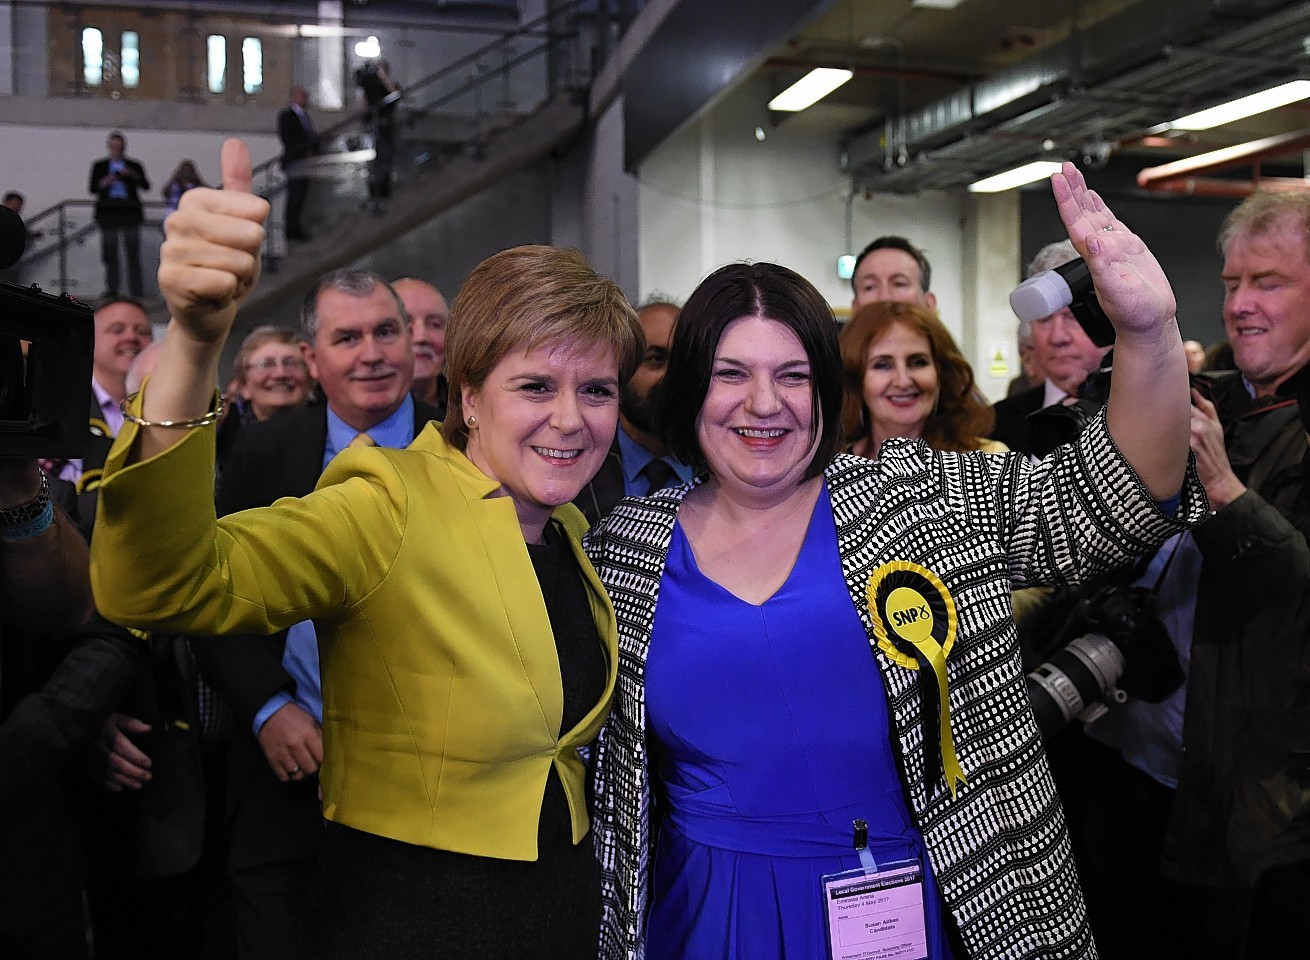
(876, 911)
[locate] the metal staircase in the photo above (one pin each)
(458, 131)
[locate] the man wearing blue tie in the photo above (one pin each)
(638, 463)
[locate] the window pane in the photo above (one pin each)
(131, 65)
(217, 58)
(93, 56)
(252, 64)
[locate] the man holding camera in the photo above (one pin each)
(379, 94)
(1197, 823)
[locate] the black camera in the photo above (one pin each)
(45, 392)
(1110, 646)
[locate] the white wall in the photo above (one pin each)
(48, 164)
(712, 194)
(594, 202)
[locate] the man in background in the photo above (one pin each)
(358, 347)
(892, 268)
(638, 463)
(299, 142)
(1061, 350)
(380, 94)
(116, 182)
(427, 312)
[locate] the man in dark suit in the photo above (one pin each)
(638, 463)
(1062, 350)
(358, 347)
(299, 141)
(116, 181)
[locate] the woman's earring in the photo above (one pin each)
(472, 422)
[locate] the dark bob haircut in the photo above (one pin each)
(764, 290)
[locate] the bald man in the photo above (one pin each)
(426, 309)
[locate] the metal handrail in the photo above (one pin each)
(538, 29)
(532, 28)
(64, 232)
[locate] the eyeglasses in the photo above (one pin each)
(272, 363)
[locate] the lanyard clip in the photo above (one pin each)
(861, 830)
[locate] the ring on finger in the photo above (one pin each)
(293, 771)
(1108, 227)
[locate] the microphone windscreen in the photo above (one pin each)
(1040, 296)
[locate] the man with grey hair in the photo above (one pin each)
(1061, 350)
(1199, 805)
(427, 312)
(358, 347)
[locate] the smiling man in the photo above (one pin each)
(357, 345)
(122, 330)
(1201, 808)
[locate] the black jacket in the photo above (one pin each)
(118, 211)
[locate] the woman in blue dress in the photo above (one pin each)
(809, 640)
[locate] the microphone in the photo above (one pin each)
(1069, 285)
(13, 238)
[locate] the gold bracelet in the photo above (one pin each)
(213, 416)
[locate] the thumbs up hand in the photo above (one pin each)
(210, 259)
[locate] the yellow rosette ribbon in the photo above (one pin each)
(914, 622)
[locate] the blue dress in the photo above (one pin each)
(771, 734)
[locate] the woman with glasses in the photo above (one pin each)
(268, 377)
(269, 374)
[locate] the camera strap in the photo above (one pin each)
(1254, 430)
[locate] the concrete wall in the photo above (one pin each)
(594, 202)
(712, 193)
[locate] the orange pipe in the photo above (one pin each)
(1213, 187)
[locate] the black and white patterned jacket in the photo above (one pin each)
(982, 523)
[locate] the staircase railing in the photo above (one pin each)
(454, 110)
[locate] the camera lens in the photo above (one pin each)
(1074, 681)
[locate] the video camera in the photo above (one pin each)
(1068, 285)
(45, 391)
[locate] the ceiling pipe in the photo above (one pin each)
(1156, 178)
(1214, 187)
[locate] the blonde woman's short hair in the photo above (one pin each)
(528, 297)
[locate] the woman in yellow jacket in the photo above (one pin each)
(467, 648)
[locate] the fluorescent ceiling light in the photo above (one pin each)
(1037, 170)
(1245, 106)
(810, 89)
(937, 4)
